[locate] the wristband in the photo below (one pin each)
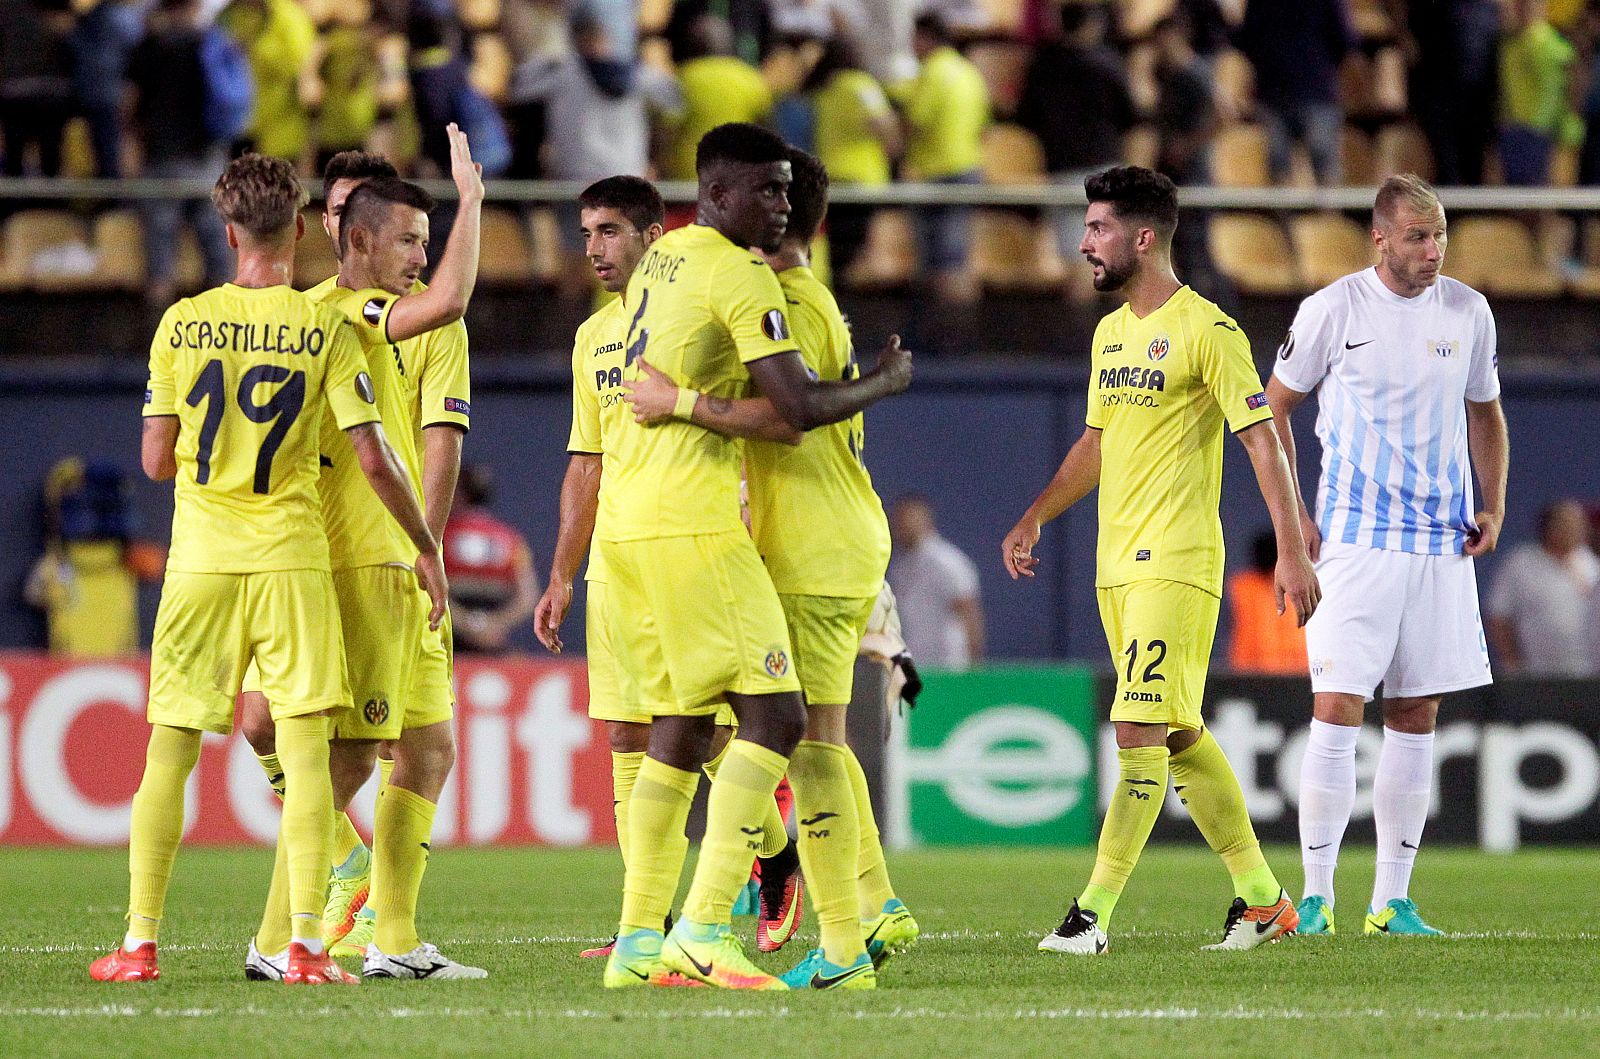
(683, 407)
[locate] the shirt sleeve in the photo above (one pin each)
(1483, 376)
(585, 434)
(447, 379)
(1223, 360)
(751, 304)
(346, 384)
(160, 388)
(368, 310)
(1306, 353)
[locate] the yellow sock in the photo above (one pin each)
(400, 837)
(157, 826)
(306, 828)
(1206, 784)
(656, 843)
(739, 799)
(273, 935)
(274, 771)
(774, 833)
(830, 844)
(872, 875)
(624, 773)
(346, 839)
(1135, 804)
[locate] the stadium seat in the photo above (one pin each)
(1239, 157)
(1389, 93)
(1233, 81)
(1329, 245)
(889, 258)
(1358, 158)
(653, 16)
(1370, 20)
(1138, 17)
(479, 14)
(46, 250)
(506, 257)
(1003, 16)
(1252, 251)
(546, 257)
(1012, 252)
(77, 153)
(491, 66)
(1012, 155)
(119, 242)
(1498, 256)
(314, 259)
(1002, 64)
(1400, 147)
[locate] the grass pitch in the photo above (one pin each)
(1517, 978)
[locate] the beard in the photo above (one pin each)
(1111, 278)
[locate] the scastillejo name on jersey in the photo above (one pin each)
(248, 338)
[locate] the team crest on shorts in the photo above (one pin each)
(1159, 347)
(777, 664)
(376, 711)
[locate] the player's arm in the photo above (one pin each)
(1489, 446)
(806, 403)
(580, 501)
(655, 398)
(388, 479)
(446, 298)
(1294, 580)
(441, 467)
(1075, 479)
(158, 445)
(1283, 400)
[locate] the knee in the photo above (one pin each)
(255, 722)
(778, 724)
(626, 737)
(350, 762)
(427, 755)
(1411, 716)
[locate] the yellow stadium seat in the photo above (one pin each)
(546, 256)
(1233, 79)
(1012, 252)
(889, 257)
(1012, 155)
(1252, 251)
(653, 16)
(1329, 245)
(1003, 16)
(1400, 147)
(1359, 162)
(1138, 17)
(119, 240)
(46, 250)
(77, 153)
(491, 66)
(506, 257)
(479, 14)
(1498, 256)
(1239, 157)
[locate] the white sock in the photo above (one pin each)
(1401, 792)
(141, 931)
(308, 932)
(1327, 795)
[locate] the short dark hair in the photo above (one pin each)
(933, 25)
(808, 194)
(355, 165)
(368, 205)
(636, 197)
(1137, 194)
(260, 195)
(739, 142)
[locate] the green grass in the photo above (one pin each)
(1518, 977)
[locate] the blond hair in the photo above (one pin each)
(1406, 188)
(260, 195)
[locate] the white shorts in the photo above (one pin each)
(1409, 622)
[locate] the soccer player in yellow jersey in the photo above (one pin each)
(828, 583)
(621, 216)
(240, 380)
(1169, 369)
(402, 687)
(694, 617)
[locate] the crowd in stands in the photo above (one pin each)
(1233, 92)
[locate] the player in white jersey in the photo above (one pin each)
(1408, 409)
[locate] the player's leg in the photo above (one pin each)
(1136, 801)
(775, 885)
(1350, 642)
(1401, 791)
(628, 741)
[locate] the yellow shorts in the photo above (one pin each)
(210, 626)
(398, 678)
(606, 700)
(693, 619)
(1160, 635)
(826, 632)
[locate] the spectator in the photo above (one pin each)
(35, 82)
(535, 33)
(438, 68)
(1264, 641)
(1186, 121)
(1075, 98)
(937, 589)
(493, 586)
(947, 111)
(1296, 50)
(349, 74)
(1536, 65)
(1454, 83)
(717, 88)
(1541, 596)
(168, 78)
(281, 41)
(102, 42)
(818, 19)
(856, 135)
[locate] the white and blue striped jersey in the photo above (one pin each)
(1395, 374)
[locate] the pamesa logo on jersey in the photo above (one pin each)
(1159, 347)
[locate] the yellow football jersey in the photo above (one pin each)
(700, 309)
(247, 372)
(361, 531)
(1160, 389)
(817, 521)
(598, 410)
